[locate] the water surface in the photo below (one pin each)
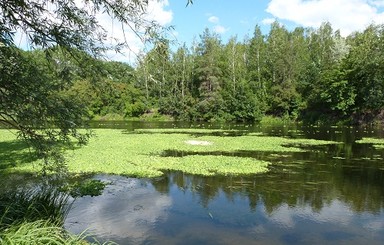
(328, 195)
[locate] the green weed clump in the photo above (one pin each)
(377, 143)
(89, 187)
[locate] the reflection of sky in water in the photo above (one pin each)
(335, 212)
(131, 211)
(129, 208)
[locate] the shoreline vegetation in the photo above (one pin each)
(266, 119)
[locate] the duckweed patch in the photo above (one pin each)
(89, 187)
(377, 143)
(141, 154)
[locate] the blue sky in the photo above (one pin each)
(230, 18)
(225, 17)
(238, 18)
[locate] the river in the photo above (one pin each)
(333, 194)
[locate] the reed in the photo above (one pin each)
(29, 205)
(39, 232)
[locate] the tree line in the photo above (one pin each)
(313, 75)
(303, 74)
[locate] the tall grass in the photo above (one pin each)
(35, 217)
(38, 232)
(28, 205)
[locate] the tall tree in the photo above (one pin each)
(209, 75)
(256, 61)
(327, 92)
(29, 103)
(284, 99)
(365, 72)
(179, 102)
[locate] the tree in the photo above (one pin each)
(31, 100)
(327, 92)
(209, 75)
(73, 24)
(365, 72)
(256, 61)
(30, 103)
(284, 99)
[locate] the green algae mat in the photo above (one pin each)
(148, 153)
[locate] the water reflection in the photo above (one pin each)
(125, 213)
(263, 209)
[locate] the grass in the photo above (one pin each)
(28, 205)
(36, 217)
(38, 232)
(377, 143)
(141, 153)
(13, 152)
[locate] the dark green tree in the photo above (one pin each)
(365, 72)
(209, 76)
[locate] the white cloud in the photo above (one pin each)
(346, 15)
(156, 11)
(213, 19)
(268, 21)
(219, 29)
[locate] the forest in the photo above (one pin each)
(310, 75)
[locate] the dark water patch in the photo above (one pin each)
(337, 236)
(261, 155)
(292, 238)
(192, 133)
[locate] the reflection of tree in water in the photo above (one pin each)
(357, 183)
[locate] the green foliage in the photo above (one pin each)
(71, 25)
(242, 104)
(34, 86)
(307, 74)
(365, 71)
(377, 143)
(32, 102)
(89, 187)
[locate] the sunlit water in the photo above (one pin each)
(329, 195)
